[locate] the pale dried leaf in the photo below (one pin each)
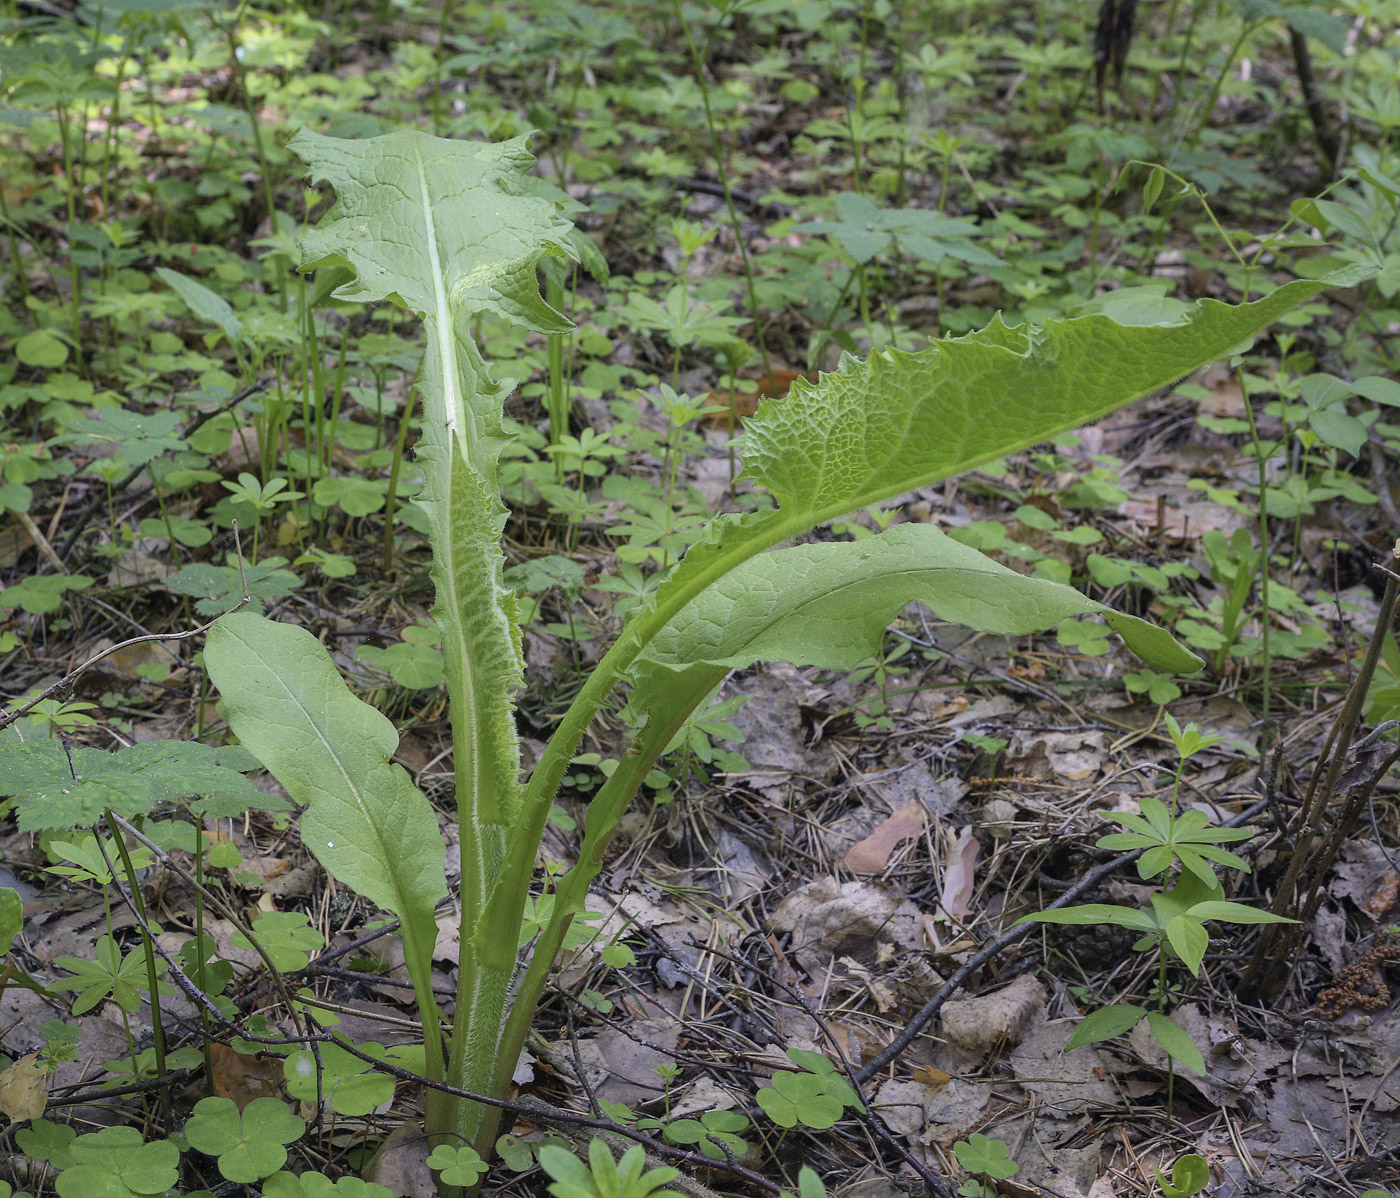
(984, 1021)
(872, 855)
(23, 1089)
(960, 873)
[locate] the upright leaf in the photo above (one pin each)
(448, 229)
(443, 227)
(364, 821)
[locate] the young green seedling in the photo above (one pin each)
(1190, 1175)
(449, 229)
(991, 1158)
(604, 1177)
(1174, 923)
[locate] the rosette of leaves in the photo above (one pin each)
(604, 1177)
(109, 974)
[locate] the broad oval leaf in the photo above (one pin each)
(1178, 1044)
(1190, 940)
(1089, 914)
(1228, 912)
(364, 821)
(1105, 1024)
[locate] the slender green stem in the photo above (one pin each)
(133, 885)
(438, 52)
(697, 59)
(1262, 460)
(1218, 82)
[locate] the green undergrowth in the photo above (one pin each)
(481, 442)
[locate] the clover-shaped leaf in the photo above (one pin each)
(318, 1185)
(350, 1085)
(460, 1166)
(978, 1154)
(114, 1163)
(800, 1098)
(286, 936)
(45, 1140)
(709, 1127)
(249, 1145)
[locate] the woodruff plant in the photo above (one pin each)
(1183, 845)
(449, 229)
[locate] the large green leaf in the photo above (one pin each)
(828, 604)
(877, 429)
(41, 777)
(364, 821)
(443, 227)
(899, 421)
(449, 229)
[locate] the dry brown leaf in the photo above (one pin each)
(14, 540)
(927, 1075)
(23, 1089)
(770, 386)
(872, 855)
(401, 1163)
(1172, 523)
(243, 1078)
(960, 873)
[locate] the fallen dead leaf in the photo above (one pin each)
(959, 873)
(14, 540)
(401, 1164)
(745, 404)
(1160, 518)
(24, 1090)
(243, 1078)
(829, 919)
(872, 855)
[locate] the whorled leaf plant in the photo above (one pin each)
(448, 229)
